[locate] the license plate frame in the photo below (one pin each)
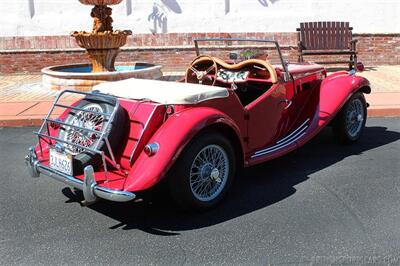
(61, 161)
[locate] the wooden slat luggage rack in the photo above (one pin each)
(327, 38)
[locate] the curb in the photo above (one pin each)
(384, 112)
(25, 122)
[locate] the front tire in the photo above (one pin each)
(350, 122)
(204, 172)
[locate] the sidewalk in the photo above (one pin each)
(24, 103)
(384, 99)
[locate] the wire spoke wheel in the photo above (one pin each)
(86, 120)
(354, 117)
(204, 171)
(350, 121)
(209, 173)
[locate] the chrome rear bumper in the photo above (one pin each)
(91, 190)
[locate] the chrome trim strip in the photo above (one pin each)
(287, 144)
(288, 136)
(283, 143)
(289, 139)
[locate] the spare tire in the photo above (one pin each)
(116, 130)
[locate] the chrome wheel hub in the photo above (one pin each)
(354, 117)
(209, 173)
(215, 175)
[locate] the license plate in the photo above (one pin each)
(61, 162)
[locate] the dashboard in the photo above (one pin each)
(214, 71)
(230, 76)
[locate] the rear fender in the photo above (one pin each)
(172, 137)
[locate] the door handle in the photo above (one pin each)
(287, 102)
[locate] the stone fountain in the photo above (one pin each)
(102, 45)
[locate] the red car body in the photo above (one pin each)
(287, 115)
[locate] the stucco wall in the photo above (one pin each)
(59, 17)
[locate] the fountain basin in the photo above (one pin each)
(101, 40)
(81, 78)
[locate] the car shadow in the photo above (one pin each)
(256, 188)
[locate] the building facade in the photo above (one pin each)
(35, 33)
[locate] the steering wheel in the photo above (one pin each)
(202, 70)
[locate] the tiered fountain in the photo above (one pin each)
(102, 46)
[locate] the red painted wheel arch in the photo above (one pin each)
(172, 137)
(335, 91)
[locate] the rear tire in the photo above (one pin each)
(350, 121)
(203, 173)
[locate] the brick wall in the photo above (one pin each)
(173, 51)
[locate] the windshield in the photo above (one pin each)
(238, 50)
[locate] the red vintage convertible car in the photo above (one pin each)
(127, 136)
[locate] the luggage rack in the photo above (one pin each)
(44, 132)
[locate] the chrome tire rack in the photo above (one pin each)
(44, 132)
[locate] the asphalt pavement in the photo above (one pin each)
(323, 204)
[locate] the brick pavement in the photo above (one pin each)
(23, 102)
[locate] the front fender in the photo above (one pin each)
(172, 137)
(334, 92)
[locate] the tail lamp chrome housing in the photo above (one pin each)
(151, 149)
